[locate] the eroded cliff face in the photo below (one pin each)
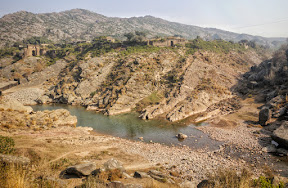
(166, 84)
(268, 83)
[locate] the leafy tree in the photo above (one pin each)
(129, 36)
(37, 40)
(140, 33)
(137, 36)
(178, 36)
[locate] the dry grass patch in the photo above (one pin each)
(14, 176)
(233, 179)
(151, 183)
(230, 179)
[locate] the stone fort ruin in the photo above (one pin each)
(35, 50)
(166, 42)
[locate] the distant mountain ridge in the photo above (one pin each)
(80, 24)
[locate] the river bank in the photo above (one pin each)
(80, 144)
(53, 144)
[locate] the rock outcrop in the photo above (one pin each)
(10, 159)
(280, 135)
(27, 96)
(159, 84)
(14, 115)
(269, 83)
(12, 104)
(80, 170)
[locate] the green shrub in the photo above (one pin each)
(264, 182)
(230, 178)
(139, 49)
(6, 145)
(93, 93)
(153, 99)
(5, 52)
(37, 40)
(216, 46)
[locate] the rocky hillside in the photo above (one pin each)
(78, 24)
(170, 83)
(268, 82)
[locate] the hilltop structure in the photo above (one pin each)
(166, 42)
(35, 50)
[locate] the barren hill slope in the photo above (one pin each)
(79, 24)
(171, 83)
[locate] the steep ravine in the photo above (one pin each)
(163, 84)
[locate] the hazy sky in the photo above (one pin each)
(258, 17)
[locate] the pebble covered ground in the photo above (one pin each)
(241, 149)
(190, 164)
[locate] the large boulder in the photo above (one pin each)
(81, 170)
(280, 135)
(12, 104)
(59, 117)
(44, 100)
(113, 164)
(64, 118)
(264, 116)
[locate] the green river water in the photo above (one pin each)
(129, 126)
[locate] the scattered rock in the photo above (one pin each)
(14, 159)
(264, 116)
(280, 135)
(26, 96)
(126, 176)
(157, 175)
(281, 112)
(175, 174)
(269, 149)
(181, 136)
(113, 164)
(141, 138)
(138, 174)
(81, 170)
(282, 151)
